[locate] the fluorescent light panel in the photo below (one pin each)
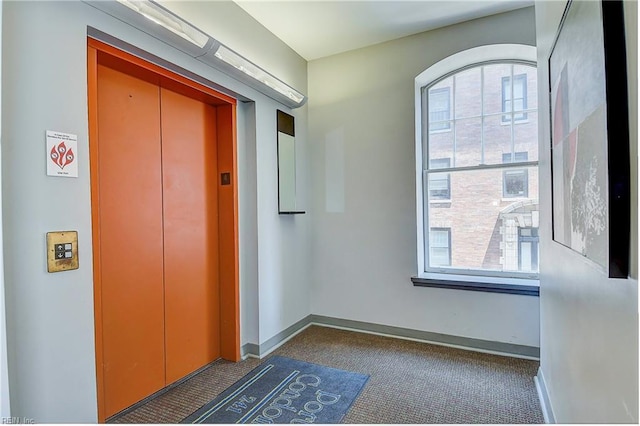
(241, 64)
(157, 14)
(160, 16)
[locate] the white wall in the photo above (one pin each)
(283, 257)
(248, 229)
(589, 323)
(50, 316)
(361, 106)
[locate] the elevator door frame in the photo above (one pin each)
(99, 52)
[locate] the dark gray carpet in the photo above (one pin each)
(410, 382)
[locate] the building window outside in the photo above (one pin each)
(514, 96)
(440, 243)
(515, 183)
(439, 109)
(492, 168)
(440, 183)
(528, 249)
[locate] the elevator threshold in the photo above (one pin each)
(159, 393)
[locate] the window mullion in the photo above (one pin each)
(425, 219)
(453, 117)
(425, 176)
(425, 128)
(513, 116)
(482, 115)
(485, 167)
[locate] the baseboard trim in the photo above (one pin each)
(250, 350)
(543, 396)
(260, 351)
(477, 345)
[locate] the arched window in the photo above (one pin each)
(477, 164)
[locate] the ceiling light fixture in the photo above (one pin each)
(169, 21)
(163, 24)
(250, 69)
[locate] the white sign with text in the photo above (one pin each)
(62, 151)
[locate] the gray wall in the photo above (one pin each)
(361, 132)
(4, 373)
(50, 321)
(589, 323)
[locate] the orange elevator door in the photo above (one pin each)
(157, 168)
(189, 165)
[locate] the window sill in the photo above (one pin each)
(512, 199)
(432, 132)
(508, 122)
(518, 286)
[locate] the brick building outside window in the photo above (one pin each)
(481, 170)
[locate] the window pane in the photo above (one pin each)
(439, 247)
(468, 149)
(532, 83)
(515, 183)
(525, 256)
(514, 97)
(439, 106)
(439, 239)
(468, 100)
(519, 85)
(440, 163)
(439, 256)
(525, 136)
(528, 249)
(493, 87)
(506, 93)
(497, 139)
(483, 224)
(519, 105)
(440, 146)
(439, 182)
(519, 97)
(439, 189)
(439, 109)
(516, 157)
(507, 98)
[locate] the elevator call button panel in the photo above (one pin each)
(62, 251)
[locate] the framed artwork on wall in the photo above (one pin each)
(287, 200)
(590, 135)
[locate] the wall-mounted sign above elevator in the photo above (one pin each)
(62, 154)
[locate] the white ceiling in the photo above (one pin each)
(319, 28)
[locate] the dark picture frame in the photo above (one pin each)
(286, 151)
(590, 160)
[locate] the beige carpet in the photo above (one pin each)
(410, 382)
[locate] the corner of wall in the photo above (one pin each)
(543, 396)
